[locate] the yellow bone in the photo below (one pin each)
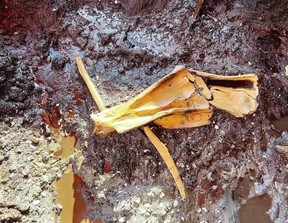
(174, 93)
(234, 94)
(161, 148)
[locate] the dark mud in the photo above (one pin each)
(17, 85)
(128, 45)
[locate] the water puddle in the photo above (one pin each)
(255, 210)
(74, 206)
(67, 145)
(281, 124)
(242, 190)
(70, 186)
(64, 187)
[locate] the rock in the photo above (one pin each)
(36, 202)
(121, 219)
(35, 140)
(23, 207)
(282, 149)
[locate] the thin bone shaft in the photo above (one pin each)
(164, 153)
(197, 10)
(89, 84)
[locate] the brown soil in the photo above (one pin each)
(230, 168)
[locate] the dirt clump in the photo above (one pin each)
(225, 166)
(17, 84)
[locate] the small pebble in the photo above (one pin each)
(175, 203)
(36, 202)
(121, 219)
(35, 140)
(58, 208)
(23, 207)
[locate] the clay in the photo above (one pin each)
(126, 49)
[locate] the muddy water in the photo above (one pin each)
(242, 190)
(255, 210)
(252, 210)
(128, 53)
(68, 187)
(73, 204)
(64, 187)
(281, 124)
(66, 147)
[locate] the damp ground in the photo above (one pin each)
(234, 170)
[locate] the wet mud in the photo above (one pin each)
(233, 169)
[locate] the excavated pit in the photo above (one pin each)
(232, 169)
